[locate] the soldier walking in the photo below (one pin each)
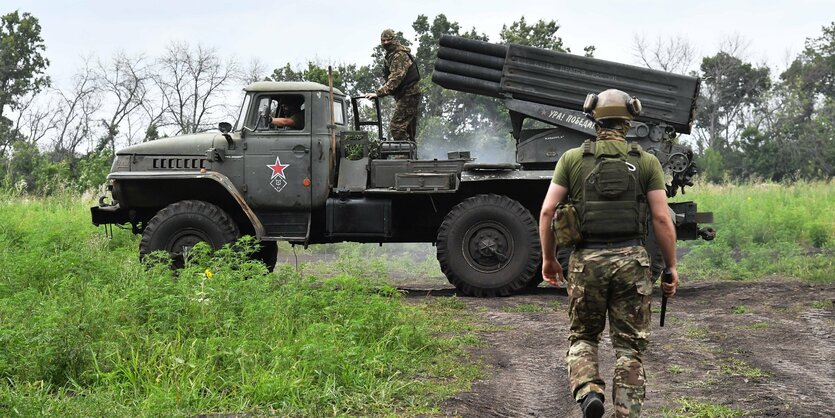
(611, 183)
(402, 79)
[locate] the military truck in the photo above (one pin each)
(326, 181)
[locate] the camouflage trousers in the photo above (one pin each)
(404, 119)
(614, 282)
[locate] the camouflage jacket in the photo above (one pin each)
(398, 63)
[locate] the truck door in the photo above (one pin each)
(277, 164)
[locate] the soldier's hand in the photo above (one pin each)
(371, 96)
(552, 272)
(669, 289)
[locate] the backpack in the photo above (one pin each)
(614, 204)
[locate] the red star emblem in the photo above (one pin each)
(278, 168)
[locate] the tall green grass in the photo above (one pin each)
(85, 330)
(765, 229)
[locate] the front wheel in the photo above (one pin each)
(179, 226)
(488, 245)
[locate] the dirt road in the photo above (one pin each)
(766, 349)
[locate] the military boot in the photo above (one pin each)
(592, 405)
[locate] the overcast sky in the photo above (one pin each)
(345, 32)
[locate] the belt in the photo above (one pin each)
(615, 244)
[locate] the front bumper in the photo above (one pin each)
(109, 214)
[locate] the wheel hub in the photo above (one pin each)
(487, 246)
(184, 240)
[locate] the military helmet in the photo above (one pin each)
(388, 34)
(612, 104)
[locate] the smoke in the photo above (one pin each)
(485, 144)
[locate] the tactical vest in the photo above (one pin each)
(412, 74)
(614, 204)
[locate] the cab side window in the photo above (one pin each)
(280, 112)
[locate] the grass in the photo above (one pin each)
(765, 229)
(741, 310)
(523, 308)
(823, 304)
(86, 330)
(740, 368)
(557, 305)
(697, 333)
(689, 408)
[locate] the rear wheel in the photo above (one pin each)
(488, 245)
(179, 226)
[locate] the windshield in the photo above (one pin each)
(239, 124)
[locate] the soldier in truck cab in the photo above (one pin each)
(290, 113)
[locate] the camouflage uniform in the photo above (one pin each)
(618, 281)
(407, 98)
(613, 281)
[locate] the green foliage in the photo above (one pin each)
(712, 166)
(737, 367)
(697, 333)
(742, 309)
(449, 303)
(769, 131)
(21, 61)
(814, 69)
(314, 72)
(541, 34)
(92, 170)
(823, 304)
(765, 229)
(730, 88)
(85, 329)
(32, 171)
(151, 133)
(690, 408)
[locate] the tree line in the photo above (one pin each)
(751, 123)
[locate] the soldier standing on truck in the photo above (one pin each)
(610, 183)
(402, 79)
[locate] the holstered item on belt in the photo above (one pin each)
(566, 225)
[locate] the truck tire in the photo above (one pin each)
(488, 245)
(183, 224)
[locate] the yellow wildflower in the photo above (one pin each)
(208, 273)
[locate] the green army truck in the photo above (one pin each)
(325, 181)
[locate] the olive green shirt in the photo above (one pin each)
(298, 120)
(569, 168)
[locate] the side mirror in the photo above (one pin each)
(225, 128)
